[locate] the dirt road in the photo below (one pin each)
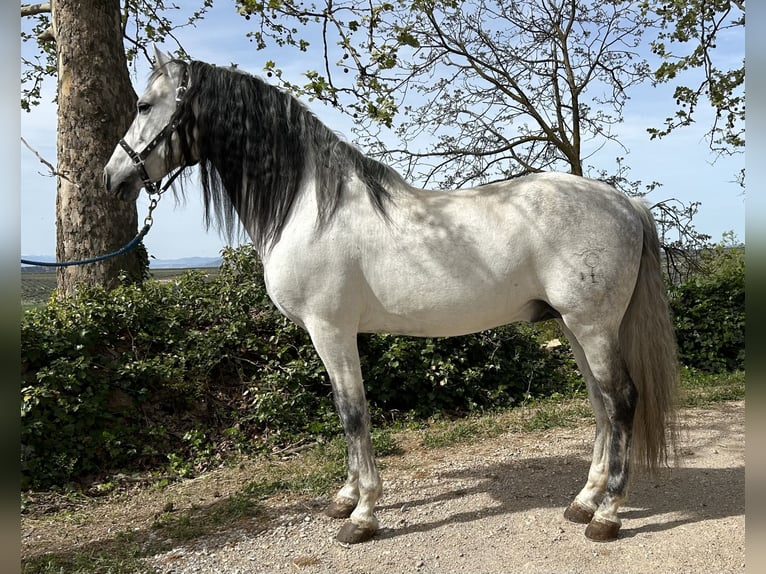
(496, 507)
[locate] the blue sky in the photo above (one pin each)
(682, 162)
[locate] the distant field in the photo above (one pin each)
(37, 286)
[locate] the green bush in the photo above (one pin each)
(491, 369)
(145, 374)
(709, 311)
(171, 375)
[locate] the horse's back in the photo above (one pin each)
(454, 262)
(450, 263)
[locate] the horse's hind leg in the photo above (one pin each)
(584, 506)
(356, 500)
(614, 397)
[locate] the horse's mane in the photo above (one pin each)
(257, 145)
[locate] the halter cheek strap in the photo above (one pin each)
(138, 158)
(153, 187)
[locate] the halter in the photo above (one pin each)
(152, 187)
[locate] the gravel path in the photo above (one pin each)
(491, 507)
(496, 507)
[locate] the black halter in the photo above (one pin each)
(138, 158)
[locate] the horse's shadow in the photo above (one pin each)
(690, 495)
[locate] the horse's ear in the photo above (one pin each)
(160, 58)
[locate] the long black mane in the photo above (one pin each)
(257, 145)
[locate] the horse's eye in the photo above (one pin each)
(143, 107)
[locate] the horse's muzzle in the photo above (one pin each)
(124, 190)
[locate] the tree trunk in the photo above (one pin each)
(95, 106)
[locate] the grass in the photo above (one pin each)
(700, 389)
(536, 415)
(197, 522)
(321, 469)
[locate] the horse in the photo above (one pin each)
(349, 247)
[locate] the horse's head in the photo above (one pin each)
(151, 147)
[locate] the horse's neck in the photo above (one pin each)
(302, 220)
(354, 212)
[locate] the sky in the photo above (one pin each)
(681, 162)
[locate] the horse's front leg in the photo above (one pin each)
(356, 500)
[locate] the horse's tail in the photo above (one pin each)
(648, 347)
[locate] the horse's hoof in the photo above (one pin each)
(602, 530)
(340, 509)
(352, 533)
(578, 513)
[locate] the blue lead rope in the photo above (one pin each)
(132, 245)
(153, 189)
(148, 220)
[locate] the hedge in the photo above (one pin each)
(173, 375)
(709, 311)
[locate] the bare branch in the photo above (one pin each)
(48, 35)
(44, 161)
(52, 171)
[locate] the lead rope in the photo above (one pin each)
(148, 221)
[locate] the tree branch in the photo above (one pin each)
(51, 168)
(34, 9)
(44, 161)
(47, 35)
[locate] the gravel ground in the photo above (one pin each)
(492, 507)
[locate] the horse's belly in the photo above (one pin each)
(442, 310)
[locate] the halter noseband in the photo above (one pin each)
(138, 158)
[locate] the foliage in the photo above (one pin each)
(140, 374)
(473, 91)
(491, 369)
(173, 374)
(143, 22)
(500, 88)
(709, 311)
(34, 71)
(690, 31)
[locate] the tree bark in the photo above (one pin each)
(95, 106)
